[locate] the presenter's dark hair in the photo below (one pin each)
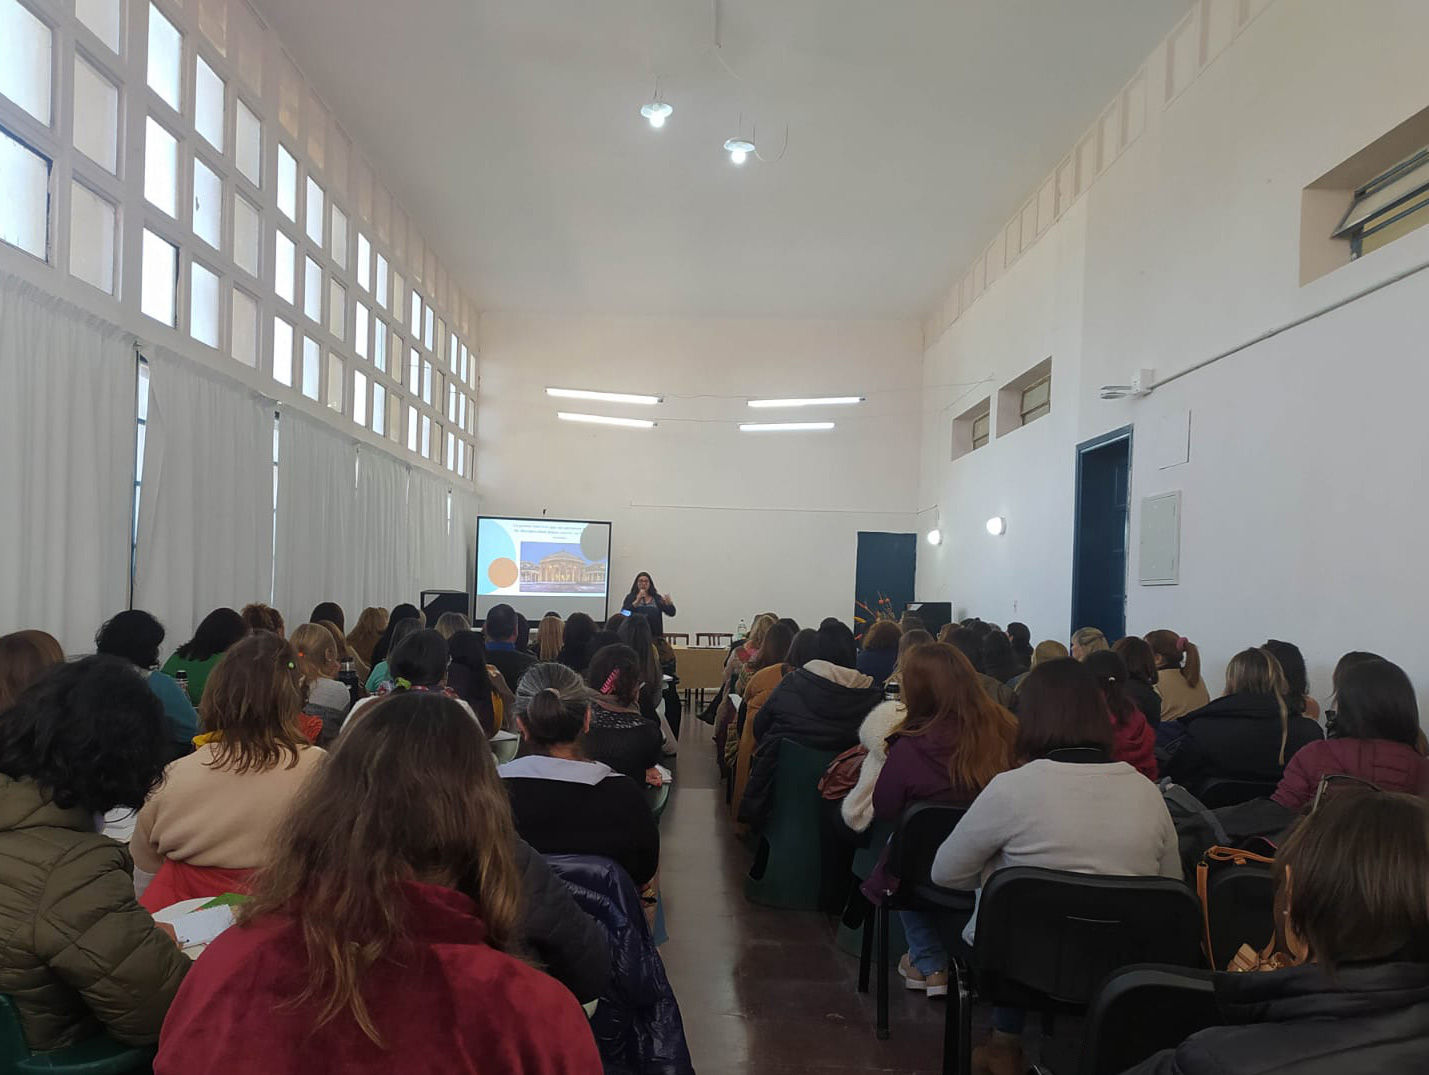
(500, 623)
(134, 635)
(220, 629)
(635, 585)
(421, 659)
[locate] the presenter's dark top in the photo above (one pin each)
(654, 609)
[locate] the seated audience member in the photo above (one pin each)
(550, 636)
(393, 947)
(1047, 650)
(820, 706)
(135, 636)
(618, 734)
(345, 652)
(449, 623)
(24, 657)
(1376, 737)
(364, 636)
(381, 674)
(745, 651)
(1070, 807)
(911, 622)
(953, 741)
(999, 660)
(212, 821)
(564, 802)
(879, 654)
(471, 680)
(419, 664)
(1134, 741)
(776, 660)
(330, 611)
(78, 955)
(575, 639)
(1354, 901)
(1140, 685)
(1343, 665)
(969, 641)
(197, 657)
(1087, 641)
(635, 633)
(1292, 663)
(599, 641)
(327, 700)
(523, 636)
(1247, 733)
(1021, 638)
(1178, 674)
(915, 637)
(261, 617)
(503, 630)
(384, 642)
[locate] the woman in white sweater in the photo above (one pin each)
(1069, 807)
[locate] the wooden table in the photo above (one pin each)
(700, 668)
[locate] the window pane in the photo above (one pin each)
(427, 436)
(166, 50)
(379, 408)
(161, 168)
(285, 276)
(416, 315)
(314, 217)
(359, 329)
(364, 260)
(379, 344)
(243, 329)
(287, 185)
(381, 293)
(25, 50)
(248, 145)
(461, 410)
(159, 278)
(208, 105)
(414, 372)
(427, 383)
(337, 309)
(451, 449)
(339, 237)
(208, 204)
(25, 207)
(394, 424)
(247, 234)
(96, 116)
(203, 305)
(428, 338)
(312, 367)
(103, 17)
(359, 397)
(453, 353)
(334, 381)
(1036, 395)
(412, 428)
(312, 290)
(91, 238)
(399, 290)
(282, 352)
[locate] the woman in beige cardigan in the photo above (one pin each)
(213, 819)
(1178, 674)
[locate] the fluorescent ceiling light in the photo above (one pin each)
(605, 420)
(783, 427)
(812, 401)
(604, 397)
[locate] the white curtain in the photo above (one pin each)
(67, 427)
(206, 505)
(463, 537)
(381, 533)
(318, 557)
(429, 541)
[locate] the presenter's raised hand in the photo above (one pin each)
(665, 598)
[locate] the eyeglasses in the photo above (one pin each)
(1344, 779)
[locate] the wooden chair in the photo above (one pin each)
(677, 638)
(716, 638)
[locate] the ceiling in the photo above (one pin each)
(510, 132)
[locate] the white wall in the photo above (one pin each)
(1301, 515)
(729, 523)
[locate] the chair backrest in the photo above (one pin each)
(921, 831)
(13, 1047)
(1060, 934)
(1225, 792)
(1143, 1009)
(1240, 909)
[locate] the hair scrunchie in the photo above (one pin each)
(403, 684)
(1181, 644)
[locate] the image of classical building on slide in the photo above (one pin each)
(551, 567)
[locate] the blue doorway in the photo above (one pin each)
(1099, 551)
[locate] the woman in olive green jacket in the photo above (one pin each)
(78, 955)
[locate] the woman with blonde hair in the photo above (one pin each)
(1178, 674)
(449, 623)
(328, 700)
(1248, 733)
(549, 637)
(212, 821)
(366, 632)
(24, 657)
(1087, 641)
(392, 901)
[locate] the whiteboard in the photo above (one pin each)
(1161, 539)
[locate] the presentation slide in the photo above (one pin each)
(543, 565)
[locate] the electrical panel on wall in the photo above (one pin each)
(1160, 559)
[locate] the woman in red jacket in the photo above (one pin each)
(1376, 736)
(1135, 741)
(377, 939)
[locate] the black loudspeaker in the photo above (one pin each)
(435, 602)
(935, 614)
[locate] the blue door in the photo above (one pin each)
(1099, 554)
(883, 575)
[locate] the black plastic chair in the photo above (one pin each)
(1143, 1009)
(919, 833)
(1226, 792)
(1046, 939)
(1240, 909)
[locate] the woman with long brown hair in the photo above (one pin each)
(365, 633)
(24, 657)
(380, 936)
(952, 741)
(212, 821)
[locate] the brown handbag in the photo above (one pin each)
(1277, 953)
(842, 774)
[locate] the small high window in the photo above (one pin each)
(972, 429)
(1387, 207)
(1025, 399)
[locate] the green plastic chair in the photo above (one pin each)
(505, 749)
(787, 863)
(658, 798)
(99, 1055)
